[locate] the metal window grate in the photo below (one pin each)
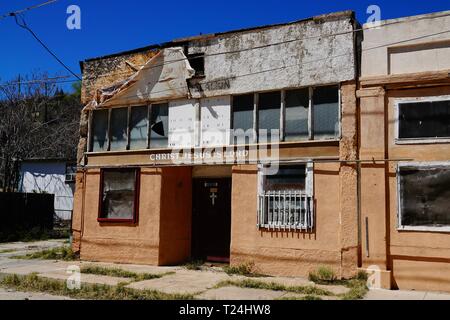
(286, 210)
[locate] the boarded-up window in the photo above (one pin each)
(424, 196)
(296, 121)
(119, 195)
(243, 106)
(138, 128)
(269, 115)
(118, 127)
(215, 121)
(326, 112)
(99, 139)
(429, 119)
(159, 126)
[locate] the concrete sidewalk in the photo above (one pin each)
(202, 284)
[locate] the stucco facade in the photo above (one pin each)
(348, 200)
(411, 66)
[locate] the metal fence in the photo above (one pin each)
(286, 210)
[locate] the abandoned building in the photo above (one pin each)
(281, 145)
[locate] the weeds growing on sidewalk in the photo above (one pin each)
(255, 284)
(87, 291)
(7, 251)
(244, 269)
(194, 264)
(60, 253)
(117, 272)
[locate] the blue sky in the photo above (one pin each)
(114, 26)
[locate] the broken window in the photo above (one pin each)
(119, 194)
(285, 198)
(159, 125)
(428, 119)
(297, 110)
(197, 62)
(326, 112)
(243, 106)
(139, 128)
(424, 196)
(99, 139)
(118, 129)
(269, 105)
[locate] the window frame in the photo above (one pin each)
(282, 137)
(309, 192)
(401, 165)
(134, 220)
(423, 140)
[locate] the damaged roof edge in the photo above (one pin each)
(320, 18)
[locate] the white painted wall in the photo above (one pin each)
(48, 177)
(407, 45)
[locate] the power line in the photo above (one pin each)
(11, 14)
(279, 43)
(24, 25)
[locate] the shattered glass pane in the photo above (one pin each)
(424, 196)
(118, 194)
(138, 128)
(159, 126)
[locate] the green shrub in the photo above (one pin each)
(323, 274)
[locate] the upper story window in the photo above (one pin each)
(298, 114)
(423, 119)
(423, 196)
(129, 128)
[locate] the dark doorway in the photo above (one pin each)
(211, 219)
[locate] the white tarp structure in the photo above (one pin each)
(162, 77)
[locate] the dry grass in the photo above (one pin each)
(121, 273)
(33, 283)
(60, 253)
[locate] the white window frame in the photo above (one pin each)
(401, 165)
(423, 140)
(309, 192)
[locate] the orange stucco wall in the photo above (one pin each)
(416, 260)
(284, 252)
(162, 233)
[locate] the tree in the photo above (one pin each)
(38, 120)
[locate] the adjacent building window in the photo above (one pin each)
(326, 112)
(159, 126)
(99, 132)
(139, 128)
(243, 106)
(424, 119)
(285, 198)
(269, 106)
(118, 129)
(119, 189)
(424, 195)
(296, 124)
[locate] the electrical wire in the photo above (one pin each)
(24, 25)
(275, 44)
(10, 14)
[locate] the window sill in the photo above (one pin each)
(112, 221)
(422, 141)
(424, 229)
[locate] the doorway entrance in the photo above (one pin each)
(211, 219)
